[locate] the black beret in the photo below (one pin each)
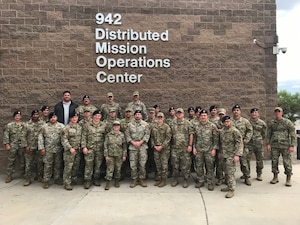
(156, 106)
(212, 107)
(86, 96)
(45, 107)
(51, 115)
(237, 106)
(225, 118)
(34, 112)
(190, 109)
(198, 109)
(96, 112)
(16, 113)
(137, 111)
(203, 111)
(72, 114)
(171, 108)
(254, 110)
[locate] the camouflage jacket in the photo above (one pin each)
(115, 144)
(161, 135)
(13, 132)
(124, 123)
(139, 106)
(31, 133)
(93, 136)
(281, 133)
(80, 110)
(50, 137)
(71, 136)
(245, 128)
(106, 107)
(206, 136)
(231, 142)
(181, 131)
(259, 132)
(137, 132)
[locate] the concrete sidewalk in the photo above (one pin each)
(261, 203)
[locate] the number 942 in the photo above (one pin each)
(112, 19)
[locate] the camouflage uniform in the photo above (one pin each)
(139, 106)
(80, 110)
(115, 147)
(93, 139)
(33, 160)
(205, 140)
(138, 157)
(12, 136)
(124, 123)
(255, 145)
(50, 140)
(281, 135)
(231, 145)
(246, 130)
(106, 107)
(161, 136)
(180, 158)
(71, 138)
(109, 123)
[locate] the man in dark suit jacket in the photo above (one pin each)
(64, 108)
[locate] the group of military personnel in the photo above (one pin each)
(72, 142)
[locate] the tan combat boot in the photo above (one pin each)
(199, 184)
(259, 177)
(133, 183)
(275, 179)
(143, 183)
(210, 187)
(117, 183)
(107, 185)
(225, 189)
(185, 183)
(175, 182)
(27, 181)
(288, 181)
(87, 184)
(163, 182)
(8, 179)
(68, 187)
(46, 185)
(157, 182)
(229, 194)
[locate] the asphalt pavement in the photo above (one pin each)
(260, 203)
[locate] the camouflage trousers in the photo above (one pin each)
(33, 163)
(113, 167)
(230, 168)
(286, 157)
(244, 163)
(257, 150)
(181, 162)
(93, 161)
(138, 159)
(16, 151)
(52, 162)
(204, 160)
(161, 160)
(71, 166)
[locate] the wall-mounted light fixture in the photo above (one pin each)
(276, 48)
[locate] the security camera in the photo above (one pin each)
(283, 50)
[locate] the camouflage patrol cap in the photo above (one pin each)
(128, 109)
(116, 122)
(135, 93)
(222, 111)
(160, 114)
(278, 109)
(110, 94)
(151, 110)
(112, 110)
(179, 110)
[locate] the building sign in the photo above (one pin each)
(125, 49)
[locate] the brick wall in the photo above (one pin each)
(48, 46)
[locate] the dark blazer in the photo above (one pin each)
(59, 111)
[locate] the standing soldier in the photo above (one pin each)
(110, 104)
(137, 135)
(71, 140)
(255, 145)
(86, 106)
(45, 113)
(93, 149)
(231, 150)
(33, 159)
(246, 130)
(160, 142)
(12, 142)
(137, 104)
(213, 114)
(281, 140)
(182, 142)
(49, 145)
(205, 145)
(191, 113)
(172, 116)
(112, 117)
(115, 153)
(150, 165)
